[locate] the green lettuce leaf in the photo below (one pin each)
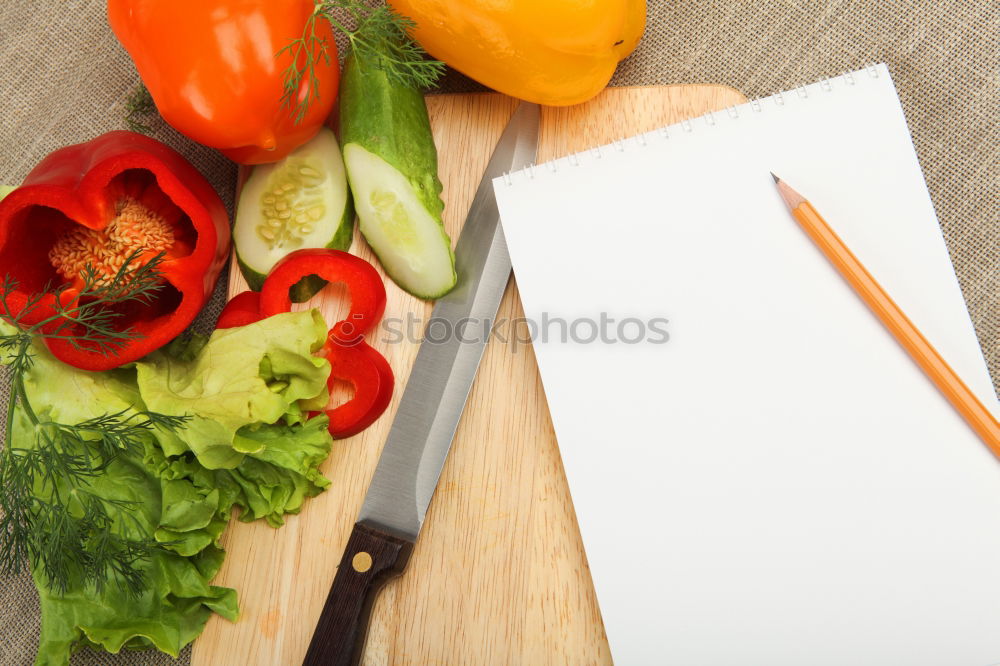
(283, 470)
(169, 615)
(247, 445)
(241, 376)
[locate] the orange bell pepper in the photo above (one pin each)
(557, 52)
(210, 66)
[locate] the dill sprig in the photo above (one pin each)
(86, 320)
(139, 106)
(48, 513)
(372, 32)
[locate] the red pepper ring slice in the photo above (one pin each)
(370, 374)
(94, 204)
(242, 310)
(362, 281)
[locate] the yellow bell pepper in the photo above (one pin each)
(555, 52)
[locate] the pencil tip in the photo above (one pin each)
(776, 179)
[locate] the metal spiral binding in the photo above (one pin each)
(710, 119)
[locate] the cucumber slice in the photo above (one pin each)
(391, 165)
(409, 241)
(299, 202)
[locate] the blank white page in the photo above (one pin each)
(778, 483)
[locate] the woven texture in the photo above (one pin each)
(64, 80)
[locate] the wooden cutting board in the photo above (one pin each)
(499, 574)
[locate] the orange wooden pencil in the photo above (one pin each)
(949, 383)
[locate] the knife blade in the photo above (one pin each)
(435, 395)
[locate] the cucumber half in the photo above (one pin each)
(299, 202)
(391, 164)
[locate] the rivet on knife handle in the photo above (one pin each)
(372, 557)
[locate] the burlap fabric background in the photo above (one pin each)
(63, 78)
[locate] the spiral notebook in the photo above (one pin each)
(761, 475)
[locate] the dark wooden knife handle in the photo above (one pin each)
(372, 557)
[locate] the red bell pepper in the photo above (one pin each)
(96, 203)
(360, 277)
(370, 375)
(351, 358)
(243, 309)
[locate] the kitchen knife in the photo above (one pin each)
(407, 474)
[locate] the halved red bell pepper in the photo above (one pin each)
(362, 281)
(94, 204)
(351, 359)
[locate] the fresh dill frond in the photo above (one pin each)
(48, 513)
(139, 107)
(134, 281)
(372, 32)
(111, 435)
(88, 322)
(69, 533)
